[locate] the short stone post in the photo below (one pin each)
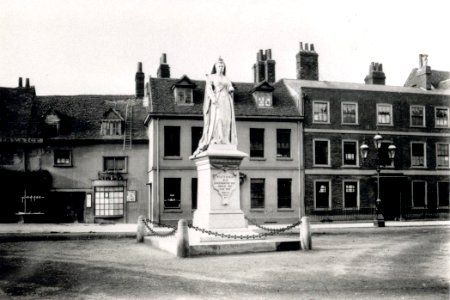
(183, 239)
(305, 234)
(141, 231)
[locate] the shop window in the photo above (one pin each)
(257, 192)
(384, 114)
(441, 116)
(171, 141)
(443, 193)
(62, 157)
(349, 113)
(196, 135)
(321, 152)
(419, 193)
(442, 153)
(172, 193)
(418, 155)
(115, 164)
(283, 143)
(284, 191)
(417, 114)
(256, 142)
(109, 201)
(351, 197)
(350, 153)
(322, 195)
(194, 186)
(321, 112)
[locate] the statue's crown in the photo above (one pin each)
(220, 59)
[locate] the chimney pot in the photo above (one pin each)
(139, 67)
(163, 59)
(306, 47)
(301, 46)
(312, 48)
(27, 83)
(20, 82)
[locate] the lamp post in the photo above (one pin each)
(377, 141)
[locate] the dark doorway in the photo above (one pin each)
(392, 190)
(66, 207)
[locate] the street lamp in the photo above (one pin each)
(377, 141)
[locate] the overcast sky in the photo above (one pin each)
(93, 46)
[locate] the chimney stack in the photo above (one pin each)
(307, 62)
(140, 80)
(164, 68)
(27, 83)
(20, 82)
(376, 74)
(264, 68)
(424, 72)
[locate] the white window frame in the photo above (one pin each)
(425, 202)
(438, 202)
(328, 111)
(435, 117)
(102, 203)
(357, 194)
(391, 114)
(357, 153)
(185, 91)
(448, 165)
(356, 113)
(314, 153)
(264, 196)
(424, 144)
(329, 194)
(410, 115)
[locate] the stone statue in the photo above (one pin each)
(219, 124)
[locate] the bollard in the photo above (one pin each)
(305, 234)
(140, 229)
(183, 239)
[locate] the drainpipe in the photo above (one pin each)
(157, 170)
(301, 169)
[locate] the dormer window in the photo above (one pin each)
(262, 94)
(183, 96)
(52, 125)
(183, 91)
(112, 123)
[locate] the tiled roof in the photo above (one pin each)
(436, 78)
(295, 85)
(15, 111)
(162, 100)
(81, 115)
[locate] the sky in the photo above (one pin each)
(93, 46)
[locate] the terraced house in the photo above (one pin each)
(110, 158)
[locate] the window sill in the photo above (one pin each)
(172, 157)
(285, 158)
(257, 158)
(322, 166)
(322, 209)
(62, 166)
(325, 123)
(418, 207)
(440, 127)
(443, 168)
(259, 210)
(352, 208)
(350, 124)
(285, 210)
(390, 125)
(418, 167)
(417, 126)
(351, 166)
(173, 210)
(108, 217)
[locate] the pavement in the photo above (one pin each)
(129, 230)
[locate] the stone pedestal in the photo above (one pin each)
(218, 204)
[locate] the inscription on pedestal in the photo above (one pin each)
(225, 183)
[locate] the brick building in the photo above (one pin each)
(339, 117)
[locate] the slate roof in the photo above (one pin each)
(15, 111)
(294, 85)
(437, 77)
(81, 115)
(162, 100)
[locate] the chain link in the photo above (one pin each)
(270, 232)
(159, 234)
(275, 230)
